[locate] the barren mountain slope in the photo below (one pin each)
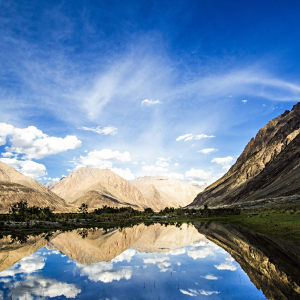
(97, 188)
(15, 186)
(165, 192)
(268, 167)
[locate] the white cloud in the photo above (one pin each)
(155, 260)
(229, 258)
(175, 176)
(197, 175)
(244, 101)
(226, 168)
(164, 266)
(203, 136)
(223, 160)
(161, 162)
(27, 265)
(34, 143)
(210, 277)
(101, 159)
(226, 266)
(176, 164)
(40, 286)
(52, 179)
(126, 255)
(149, 102)
(207, 293)
(135, 163)
(7, 154)
(186, 137)
(190, 136)
(26, 167)
(106, 130)
(177, 251)
(192, 294)
(154, 169)
(104, 272)
(208, 150)
(126, 174)
(200, 252)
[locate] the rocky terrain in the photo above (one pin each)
(97, 187)
(268, 167)
(165, 192)
(15, 187)
(272, 265)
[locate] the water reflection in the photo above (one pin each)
(154, 262)
(273, 265)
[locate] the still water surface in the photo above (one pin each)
(154, 262)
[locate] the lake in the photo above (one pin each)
(200, 261)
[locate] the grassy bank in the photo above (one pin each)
(279, 222)
(282, 225)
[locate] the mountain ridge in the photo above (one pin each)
(273, 149)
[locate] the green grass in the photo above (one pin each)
(281, 222)
(278, 225)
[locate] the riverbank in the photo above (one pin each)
(279, 222)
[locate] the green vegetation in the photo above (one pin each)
(283, 221)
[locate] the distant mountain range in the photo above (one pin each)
(268, 168)
(162, 191)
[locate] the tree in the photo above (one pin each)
(83, 208)
(19, 207)
(148, 210)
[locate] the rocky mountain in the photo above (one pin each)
(165, 192)
(268, 168)
(15, 187)
(97, 188)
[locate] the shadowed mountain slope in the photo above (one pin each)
(267, 168)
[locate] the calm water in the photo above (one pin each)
(153, 262)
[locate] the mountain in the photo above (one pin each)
(15, 187)
(165, 192)
(268, 168)
(97, 188)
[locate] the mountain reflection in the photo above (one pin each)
(272, 265)
(150, 262)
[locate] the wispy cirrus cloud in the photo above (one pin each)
(109, 130)
(190, 137)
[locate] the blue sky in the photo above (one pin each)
(173, 88)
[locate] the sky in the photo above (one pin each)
(171, 88)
